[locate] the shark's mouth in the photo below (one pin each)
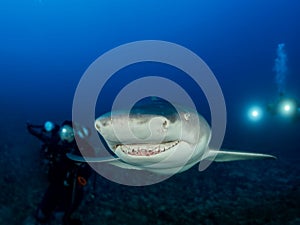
(146, 149)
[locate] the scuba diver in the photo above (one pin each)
(67, 178)
(285, 106)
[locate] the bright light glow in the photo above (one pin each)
(48, 126)
(287, 108)
(255, 113)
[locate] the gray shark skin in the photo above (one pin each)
(158, 137)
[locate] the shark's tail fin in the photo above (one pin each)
(224, 156)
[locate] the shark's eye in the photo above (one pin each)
(97, 125)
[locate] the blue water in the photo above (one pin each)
(47, 45)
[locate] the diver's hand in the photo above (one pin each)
(28, 125)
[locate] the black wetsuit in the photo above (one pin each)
(66, 177)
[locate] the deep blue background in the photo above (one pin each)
(46, 45)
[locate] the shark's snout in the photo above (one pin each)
(124, 130)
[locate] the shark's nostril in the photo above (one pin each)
(187, 116)
(166, 124)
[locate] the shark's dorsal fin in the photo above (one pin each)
(224, 156)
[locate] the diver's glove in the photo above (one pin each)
(28, 125)
(34, 129)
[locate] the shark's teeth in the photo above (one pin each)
(147, 149)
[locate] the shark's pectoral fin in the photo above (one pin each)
(78, 158)
(109, 159)
(124, 165)
(223, 156)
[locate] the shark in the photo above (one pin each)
(155, 136)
